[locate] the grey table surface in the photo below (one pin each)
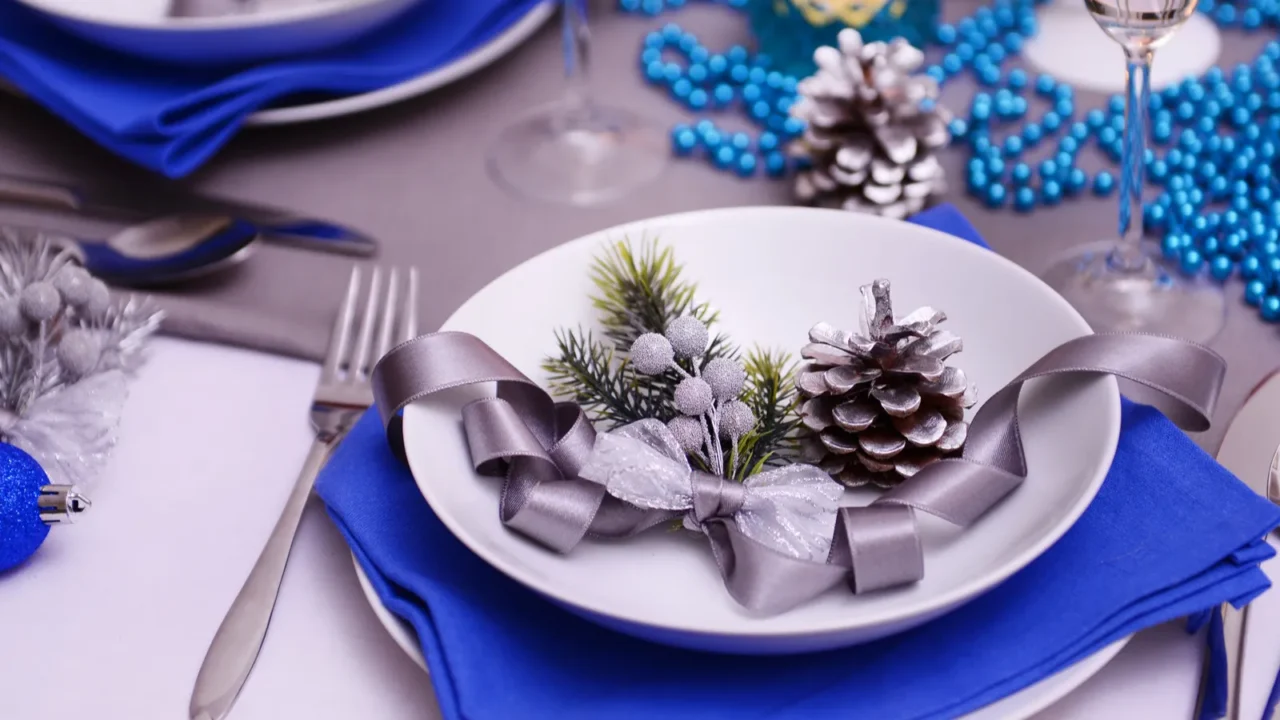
(414, 176)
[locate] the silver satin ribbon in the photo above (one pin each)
(541, 445)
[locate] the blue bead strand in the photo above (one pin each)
(1214, 138)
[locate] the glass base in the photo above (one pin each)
(1154, 297)
(578, 156)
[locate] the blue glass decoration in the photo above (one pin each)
(790, 30)
(21, 529)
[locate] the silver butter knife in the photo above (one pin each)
(1249, 450)
(276, 225)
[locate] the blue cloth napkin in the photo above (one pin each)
(172, 119)
(1171, 534)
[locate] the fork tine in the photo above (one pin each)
(386, 334)
(364, 346)
(341, 335)
(410, 328)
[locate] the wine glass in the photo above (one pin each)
(576, 151)
(1127, 285)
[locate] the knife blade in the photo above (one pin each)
(1249, 451)
(276, 225)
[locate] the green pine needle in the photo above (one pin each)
(771, 395)
(640, 290)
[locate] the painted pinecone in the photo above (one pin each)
(869, 144)
(881, 405)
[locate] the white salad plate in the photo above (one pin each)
(773, 272)
(1018, 706)
(144, 29)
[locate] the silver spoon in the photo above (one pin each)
(167, 250)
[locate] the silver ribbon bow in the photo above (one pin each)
(790, 510)
(543, 447)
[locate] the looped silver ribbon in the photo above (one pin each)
(543, 448)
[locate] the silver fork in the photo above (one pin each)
(341, 396)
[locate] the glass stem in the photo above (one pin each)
(577, 43)
(1128, 254)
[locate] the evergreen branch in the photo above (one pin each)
(640, 291)
(771, 395)
(585, 371)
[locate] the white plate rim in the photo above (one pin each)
(478, 58)
(1018, 706)
(164, 24)
(951, 599)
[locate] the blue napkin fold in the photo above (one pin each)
(172, 119)
(1170, 534)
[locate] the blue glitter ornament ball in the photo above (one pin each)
(21, 529)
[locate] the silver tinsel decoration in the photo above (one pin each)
(868, 141)
(882, 404)
(65, 349)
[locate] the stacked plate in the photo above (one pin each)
(261, 30)
(670, 594)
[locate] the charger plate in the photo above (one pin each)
(772, 273)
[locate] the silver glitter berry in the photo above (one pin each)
(11, 320)
(736, 419)
(39, 301)
(78, 352)
(688, 336)
(693, 396)
(99, 299)
(688, 432)
(725, 377)
(73, 283)
(651, 354)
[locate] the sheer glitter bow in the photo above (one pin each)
(790, 510)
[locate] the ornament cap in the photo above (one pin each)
(61, 504)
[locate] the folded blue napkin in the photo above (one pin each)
(1170, 534)
(172, 119)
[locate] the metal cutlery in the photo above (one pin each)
(1249, 450)
(342, 394)
(1235, 623)
(276, 225)
(166, 250)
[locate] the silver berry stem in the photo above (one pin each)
(706, 439)
(676, 366)
(716, 450)
(733, 457)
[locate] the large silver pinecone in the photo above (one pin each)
(882, 404)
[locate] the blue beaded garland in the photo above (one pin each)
(1222, 130)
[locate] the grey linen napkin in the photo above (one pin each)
(280, 301)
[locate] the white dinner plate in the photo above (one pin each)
(772, 273)
(1018, 706)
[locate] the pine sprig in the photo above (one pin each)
(640, 289)
(585, 371)
(772, 397)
